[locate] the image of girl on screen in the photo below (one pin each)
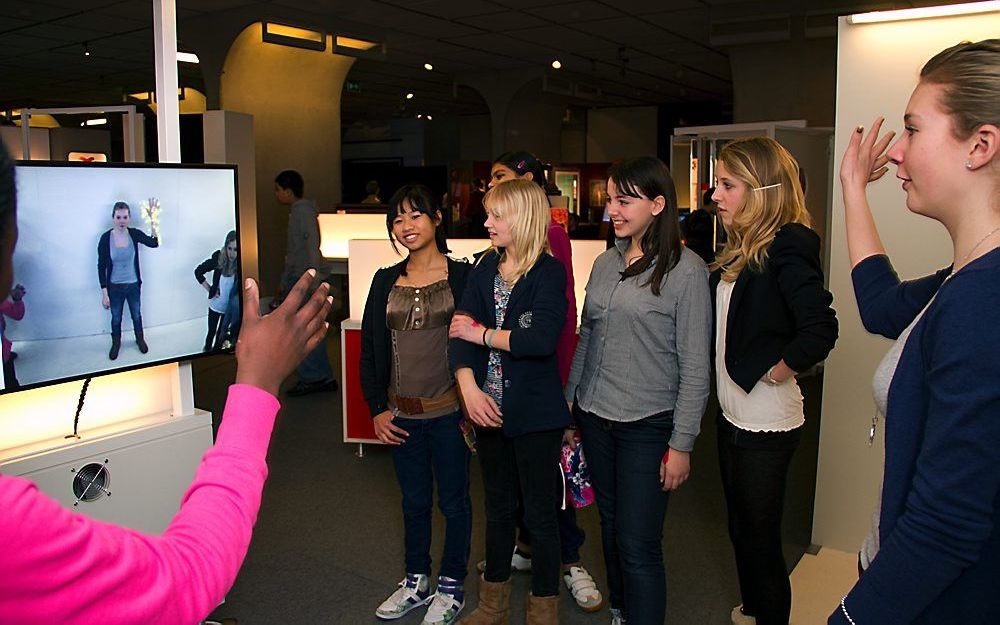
(12, 307)
(223, 299)
(119, 274)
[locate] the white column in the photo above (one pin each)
(167, 105)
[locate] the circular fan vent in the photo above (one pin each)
(91, 482)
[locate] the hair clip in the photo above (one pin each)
(520, 165)
(770, 186)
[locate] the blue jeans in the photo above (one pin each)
(233, 317)
(435, 450)
(624, 460)
(119, 294)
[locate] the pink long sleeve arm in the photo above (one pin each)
(62, 567)
(14, 310)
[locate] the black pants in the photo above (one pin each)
(213, 326)
(529, 465)
(9, 375)
(754, 471)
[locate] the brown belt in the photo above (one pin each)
(422, 405)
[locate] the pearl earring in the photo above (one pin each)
(968, 164)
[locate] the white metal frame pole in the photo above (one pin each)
(168, 137)
(168, 134)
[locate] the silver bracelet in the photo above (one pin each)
(768, 379)
(489, 339)
(843, 608)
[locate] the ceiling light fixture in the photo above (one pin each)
(556, 64)
(428, 67)
(293, 36)
(923, 12)
(429, 118)
(355, 44)
(100, 121)
(187, 57)
(409, 96)
(420, 115)
(86, 49)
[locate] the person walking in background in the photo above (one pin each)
(934, 554)
(414, 404)
(301, 253)
(773, 319)
(372, 193)
(640, 380)
(503, 354)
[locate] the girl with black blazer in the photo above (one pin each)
(773, 319)
(222, 297)
(503, 352)
(413, 401)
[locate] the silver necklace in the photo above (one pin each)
(981, 241)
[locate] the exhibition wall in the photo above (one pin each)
(878, 66)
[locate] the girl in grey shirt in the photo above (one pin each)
(640, 380)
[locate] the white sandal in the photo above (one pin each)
(583, 588)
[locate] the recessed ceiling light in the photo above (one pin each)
(428, 67)
(420, 115)
(86, 49)
(409, 96)
(100, 121)
(556, 64)
(429, 117)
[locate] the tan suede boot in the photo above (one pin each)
(494, 604)
(542, 610)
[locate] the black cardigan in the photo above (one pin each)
(783, 312)
(376, 348)
(212, 264)
(104, 264)
(532, 395)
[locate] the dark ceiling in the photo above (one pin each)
(614, 52)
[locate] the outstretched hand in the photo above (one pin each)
(865, 159)
(270, 347)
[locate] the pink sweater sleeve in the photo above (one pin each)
(62, 567)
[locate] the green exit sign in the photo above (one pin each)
(353, 86)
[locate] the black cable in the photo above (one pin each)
(79, 409)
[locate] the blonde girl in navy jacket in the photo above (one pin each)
(939, 530)
(503, 352)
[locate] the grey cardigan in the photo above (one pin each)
(640, 354)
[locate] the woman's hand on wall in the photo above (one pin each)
(388, 432)
(865, 159)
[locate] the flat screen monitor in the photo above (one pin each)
(119, 266)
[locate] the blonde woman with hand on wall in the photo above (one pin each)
(938, 535)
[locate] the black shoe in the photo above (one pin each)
(141, 342)
(116, 344)
(305, 388)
